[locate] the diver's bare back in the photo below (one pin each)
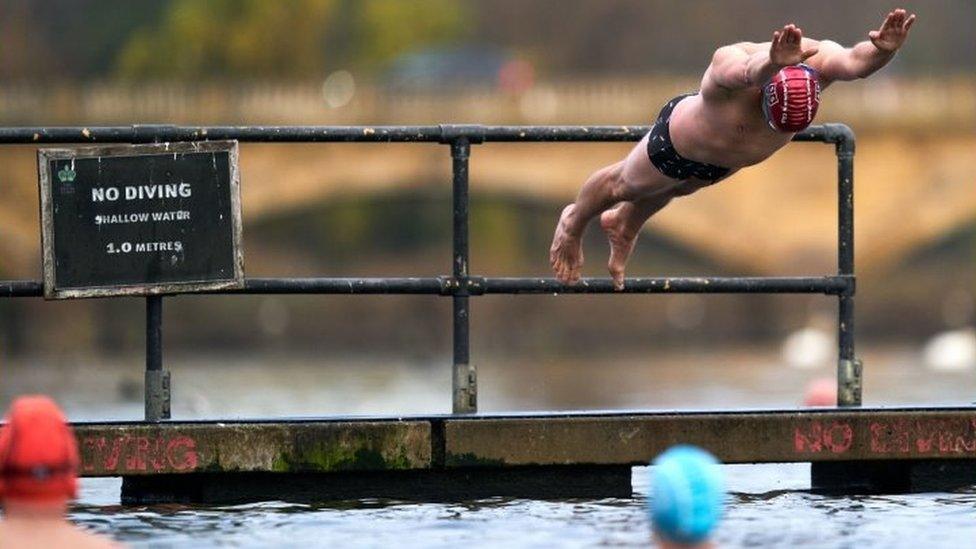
(702, 138)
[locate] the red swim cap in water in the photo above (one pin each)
(791, 98)
(38, 453)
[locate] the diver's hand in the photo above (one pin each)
(893, 31)
(785, 49)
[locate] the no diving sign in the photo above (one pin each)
(140, 219)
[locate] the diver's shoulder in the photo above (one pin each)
(752, 47)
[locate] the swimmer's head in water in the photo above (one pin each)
(38, 453)
(791, 97)
(687, 494)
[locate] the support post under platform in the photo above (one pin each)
(892, 476)
(551, 482)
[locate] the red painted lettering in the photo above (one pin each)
(157, 457)
(128, 453)
(136, 459)
(810, 441)
(838, 437)
(891, 437)
(182, 454)
(111, 461)
(92, 446)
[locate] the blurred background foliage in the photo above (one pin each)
(196, 39)
(245, 39)
(213, 39)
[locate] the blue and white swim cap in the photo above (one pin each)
(687, 495)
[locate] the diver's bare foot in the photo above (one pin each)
(622, 240)
(566, 252)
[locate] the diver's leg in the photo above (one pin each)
(629, 180)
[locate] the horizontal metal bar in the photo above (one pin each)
(563, 133)
(445, 285)
(830, 285)
(435, 286)
(315, 134)
(21, 288)
(828, 133)
(270, 134)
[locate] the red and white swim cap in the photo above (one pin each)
(791, 98)
(38, 454)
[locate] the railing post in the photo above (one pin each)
(464, 378)
(157, 382)
(848, 367)
(157, 379)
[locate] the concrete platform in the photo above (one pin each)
(527, 455)
(136, 449)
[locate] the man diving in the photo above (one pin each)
(754, 97)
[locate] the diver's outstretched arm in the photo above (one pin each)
(865, 58)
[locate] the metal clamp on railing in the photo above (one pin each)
(473, 133)
(849, 382)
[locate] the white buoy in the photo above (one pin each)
(951, 351)
(808, 348)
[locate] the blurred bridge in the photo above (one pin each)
(775, 218)
(915, 167)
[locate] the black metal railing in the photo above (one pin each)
(461, 285)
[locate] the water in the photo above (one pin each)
(770, 505)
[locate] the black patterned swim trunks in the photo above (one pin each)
(667, 160)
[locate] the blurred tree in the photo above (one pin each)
(294, 39)
(67, 38)
(219, 38)
(387, 28)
